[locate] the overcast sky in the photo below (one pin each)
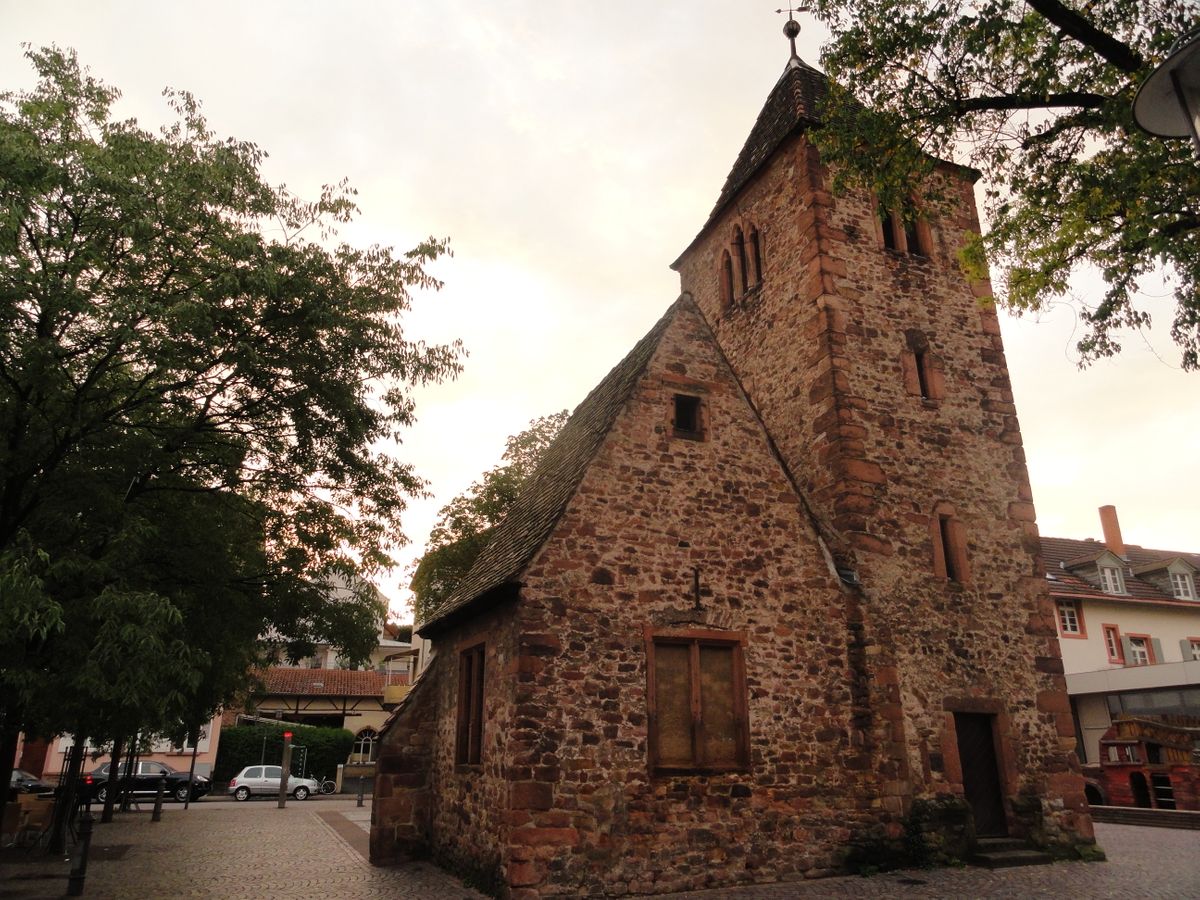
(570, 151)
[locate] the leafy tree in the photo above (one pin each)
(197, 387)
(1038, 95)
(465, 524)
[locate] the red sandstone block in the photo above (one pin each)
(1022, 512)
(545, 837)
(1053, 701)
(862, 470)
(531, 795)
(524, 874)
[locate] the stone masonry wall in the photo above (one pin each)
(586, 813)
(823, 348)
(425, 804)
(402, 801)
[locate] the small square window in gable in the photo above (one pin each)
(687, 421)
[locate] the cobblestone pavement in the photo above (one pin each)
(317, 850)
(1158, 863)
(314, 849)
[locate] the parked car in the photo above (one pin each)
(24, 783)
(145, 782)
(265, 780)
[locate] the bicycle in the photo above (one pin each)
(328, 785)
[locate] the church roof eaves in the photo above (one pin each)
(544, 497)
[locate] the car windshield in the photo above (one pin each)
(18, 774)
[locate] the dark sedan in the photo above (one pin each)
(24, 783)
(145, 782)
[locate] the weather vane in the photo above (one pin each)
(791, 27)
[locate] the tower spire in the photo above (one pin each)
(791, 28)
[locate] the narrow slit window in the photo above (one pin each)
(469, 742)
(912, 238)
(953, 548)
(726, 281)
(922, 356)
(756, 255)
(739, 246)
(687, 416)
(887, 223)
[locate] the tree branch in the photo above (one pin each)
(1073, 99)
(1071, 23)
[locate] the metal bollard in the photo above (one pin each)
(158, 798)
(79, 873)
(360, 790)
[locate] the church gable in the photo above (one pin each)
(681, 542)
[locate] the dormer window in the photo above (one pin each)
(1111, 580)
(1183, 587)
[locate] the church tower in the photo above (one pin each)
(878, 368)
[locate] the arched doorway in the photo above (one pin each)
(1094, 797)
(1141, 793)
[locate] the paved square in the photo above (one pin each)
(317, 849)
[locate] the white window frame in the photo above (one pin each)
(1112, 643)
(1195, 648)
(1112, 580)
(1182, 586)
(1068, 617)
(1139, 651)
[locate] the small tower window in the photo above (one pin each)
(726, 281)
(922, 356)
(687, 417)
(887, 222)
(756, 254)
(949, 545)
(912, 239)
(739, 247)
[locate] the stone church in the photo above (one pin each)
(772, 604)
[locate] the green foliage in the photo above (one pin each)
(243, 745)
(1038, 96)
(198, 387)
(465, 524)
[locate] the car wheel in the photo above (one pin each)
(101, 795)
(301, 793)
(242, 793)
(181, 793)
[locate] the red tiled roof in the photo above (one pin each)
(321, 682)
(1066, 584)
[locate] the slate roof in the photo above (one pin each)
(320, 682)
(791, 105)
(1063, 583)
(544, 497)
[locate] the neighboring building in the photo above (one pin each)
(48, 758)
(1129, 629)
(322, 690)
(773, 595)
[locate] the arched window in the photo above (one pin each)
(912, 237)
(364, 746)
(887, 223)
(756, 254)
(726, 280)
(739, 247)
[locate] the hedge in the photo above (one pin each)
(242, 745)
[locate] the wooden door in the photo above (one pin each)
(981, 774)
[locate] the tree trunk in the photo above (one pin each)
(9, 732)
(110, 790)
(127, 783)
(67, 793)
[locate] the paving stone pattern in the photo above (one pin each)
(255, 851)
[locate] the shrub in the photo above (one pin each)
(248, 745)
